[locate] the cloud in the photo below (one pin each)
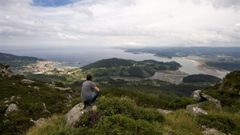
(226, 3)
(121, 22)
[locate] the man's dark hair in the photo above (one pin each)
(89, 77)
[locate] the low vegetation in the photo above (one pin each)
(34, 101)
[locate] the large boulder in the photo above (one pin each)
(74, 115)
(201, 96)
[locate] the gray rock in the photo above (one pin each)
(36, 88)
(11, 108)
(63, 89)
(5, 71)
(45, 108)
(211, 99)
(74, 115)
(212, 131)
(27, 81)
(197, 95)
(162, 111)
(40, 122)
(195, 110)
(200, 96)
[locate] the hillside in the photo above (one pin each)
(23, 102)
(228, 91)
(126, 107)
(123, 114)
(128, 68)
(17, 61)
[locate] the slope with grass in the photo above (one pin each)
(23, 101)
(122, 113)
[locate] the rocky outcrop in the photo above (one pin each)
(195, 110)
(74, 115)
(201, 96)
(11, 108)
(196, 95)
(5, 71)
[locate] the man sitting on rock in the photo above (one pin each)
(89, 92)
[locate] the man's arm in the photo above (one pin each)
(96, 89)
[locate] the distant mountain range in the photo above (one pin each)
(226, 58)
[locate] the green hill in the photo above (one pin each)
(110, 63)
(201, 78)
(128, 68)
(228, 91)
(17, 61)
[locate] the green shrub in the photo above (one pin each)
(14, 124)
(180, 102)
(123, 125)
(112, 106)
(88, 119)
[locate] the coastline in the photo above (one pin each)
(200, 64)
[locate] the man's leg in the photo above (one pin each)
(94, 96)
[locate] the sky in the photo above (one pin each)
(119, 23)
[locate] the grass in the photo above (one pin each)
(55, 125)
(30, 103)
(181, 123)
(226, 122)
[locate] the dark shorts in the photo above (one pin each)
(92, 98)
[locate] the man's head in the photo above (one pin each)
(89, 77)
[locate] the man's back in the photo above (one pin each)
(87, 90)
